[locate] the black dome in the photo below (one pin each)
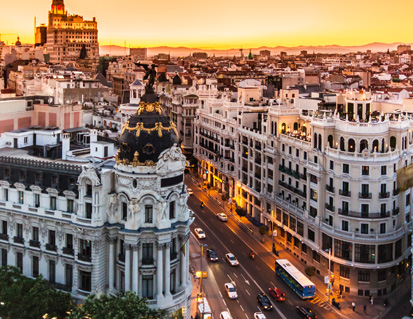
(146, 135)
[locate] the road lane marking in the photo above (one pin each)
(243, 277)
(246, 316)
(272, 284)
(220, 293)
(230, 279)
(235, 275)
(290, 302)
(248, 292)
(232, 241)
(258, 268)
(224, 302)
(241, 308)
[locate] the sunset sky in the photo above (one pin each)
(222, 24)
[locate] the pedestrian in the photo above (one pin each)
(371, 301)
(353, 304)
(364, 308)
(370, 297)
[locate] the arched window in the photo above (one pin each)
(392, 142)
(330, 141)
(351, 145)
(342, 144)
(283, 128)
(295, 126)
(275, 128)
(364, 145)
(375, 146)
(315, 140)
(304, 129)
(319, 141)
(382, 145)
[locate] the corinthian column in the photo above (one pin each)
(159, 272)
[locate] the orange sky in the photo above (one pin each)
(225, 23)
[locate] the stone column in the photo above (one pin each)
(188, 279)
(111, 264)
(182, 259)
(167, 269)
(159, 272)
(135, 269)
(127, 267)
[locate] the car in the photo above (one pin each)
(199, 233)
(231, 259)
(264, 301)
(222, 217)
(259, 315)
(306, 312)
(231, 291)
(225, 315)
(276, 293)
(190, 191)
(212, 255)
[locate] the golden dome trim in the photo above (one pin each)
(149, 107)
(158, 127)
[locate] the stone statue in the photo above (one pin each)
(150, 75)
(113, 204)
(161, 211)
(134, 209)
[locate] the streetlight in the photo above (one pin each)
(329, 273)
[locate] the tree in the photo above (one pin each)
(310, 271)
(28, 298)
(241, 211)
(262, 229)
(120, 306)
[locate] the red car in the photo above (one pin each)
(276, 293)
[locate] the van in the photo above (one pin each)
(225, 315)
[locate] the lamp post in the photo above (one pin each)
(329, 273)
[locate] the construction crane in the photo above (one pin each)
(7, 34)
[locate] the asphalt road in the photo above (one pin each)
(251, 276)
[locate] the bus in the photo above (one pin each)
(295, 279)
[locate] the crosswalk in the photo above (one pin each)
(317, 301)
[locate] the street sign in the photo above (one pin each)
(326, 279)
(274, 233)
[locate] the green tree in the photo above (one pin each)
(262, 229)
(120, 306)
(310, 271)
(28, 298)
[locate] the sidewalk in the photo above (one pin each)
(375, 311)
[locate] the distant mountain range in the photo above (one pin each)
(184, 51)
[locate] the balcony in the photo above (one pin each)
(303, 176)
(395, 211)
(68, 251)
(330, 188)
(365, 195)
(384, 194)
(331, 208)
(343, 192)
(148, 261)
(18, 240)
(4, 237)
(363, 214)
(84, 257)
(396, 192)
(34, 243)
(51, 247)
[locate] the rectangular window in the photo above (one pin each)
(172, 210)
(383, 170)
(19, 261)
(52, 271)
(19, 231)
(3, 257)
(408, 200)
(70, 206)
(35, 266)
(365, 170)
(85, 283)
(364, 253)
(36, 200)
(313, 194)
(69, 275)
(88, 207)
(313, 211)
(346, 169)
(147, 253)
(147, 287)
(20, 196)
(4, 227)
(344, 225)
(331, 165)
(85, 248)
(385, 253)
(52, 237)
(305, 156)
(35, 234)
(69, 241)
(316, 256)
(345, 272)
(53, 203)
(311, 235)
(300, 228)
(148, 213)
(364, 275)
(342, 249)
(6, 195)
(364, 228)
(304, 248)
(381, 275)
(124, 210)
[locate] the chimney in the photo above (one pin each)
(65, 145)
(93, 136)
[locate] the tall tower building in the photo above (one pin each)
(67, 34)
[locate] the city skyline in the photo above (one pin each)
(222, 25)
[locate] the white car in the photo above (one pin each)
(225, 315)
(190, 191)
(231, 291)
(222, 217)
(231, 259)
(259, 315)
(199, 233)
